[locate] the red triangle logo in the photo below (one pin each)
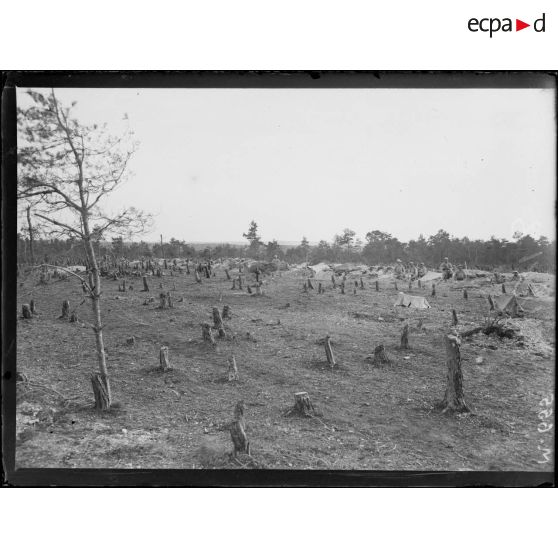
(519, 25)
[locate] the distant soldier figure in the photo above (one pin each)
(421, 272)
(399, 269)
(447, 269)
(413, 271)
(460, 275)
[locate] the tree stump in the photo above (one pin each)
(226, 314)
(503, 288)
(380, 356)
(207, 273)
(329, 352)
(259, 291)
(491, 302)
(419, 283)
(257, 273)
(377, 286)
(169, 300)
(101, 391)
(26, 311)
(122, 286)
(333, 280)
(32, 307)
(361, 284)
(433, 289)
(305, 287)
(453, 399)
(218, 322)
(65, 310)
(233, 285)
(73, 317)
(310, 286)
(164, 358)
(145, 284)
(131, 341)
(187, 269)
(162, 301)
(240, 282)
(198, 278)
(405, 337)
(454, 321)
(303, 406)
(233, 370)
(238, 431)
(342, 288)
(320, 288)
(465, 294)
(249, 289)
(228, 274)
(207, 334)
(396, 287)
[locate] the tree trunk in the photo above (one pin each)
(503, 288)
(342, 288)
(240, 282)
(145, 284)
(32, 306)
(101, 391)
(164, 358)
(329, 352)
(454, 318)
(433, 289)
(233, 370)
(361, 284)
(320, 288)
(465, 294)
(491, 302)
(65, 310)
(169, 300)
(26, 311)
(377, 286)
(207, 334)
(218, 322)
(453, 398)
(405, 337)
(31, 244)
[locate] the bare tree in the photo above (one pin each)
(67, 169)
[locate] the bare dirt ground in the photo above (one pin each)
(368, 417)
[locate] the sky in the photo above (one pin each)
(311, 162)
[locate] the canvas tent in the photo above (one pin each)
(410, 301)
(431, 276)
(508, 304)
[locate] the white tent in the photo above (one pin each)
(410, 301)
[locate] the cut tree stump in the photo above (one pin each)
(162, 300)
(380, 356)
(342, 288)
(433, 289)
(65, 310)
(164, 358)
(320, 288)
(304, 287)
(454, 401)
(377, 286)
(73, 317)
(240, 282)
(405, 337)
(329, 352)
(233, 288)
(419, 284)
(145, 284)
(303, 406)
(354, 291)
(228, 274)
(198, 278)
(227, 314)
(454, 321)
(238, 431)
(169, 300)
(101, 391)
(207, 334)
(396, 287)
(465, 294)
(361, 284)
(218, 322)
(310, 286)
(26, 311)
(32, 306)
(233, 370)
(491, 302)
(503, 288)
(248, 289)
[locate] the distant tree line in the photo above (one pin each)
(378, 248)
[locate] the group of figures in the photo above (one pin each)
(411, 271)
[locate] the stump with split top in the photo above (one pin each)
(329, 352)
(233, 370)
(454, 401)
(380, 356)
(26, 312)
(164, 358)
(207, 334)
(218, 322)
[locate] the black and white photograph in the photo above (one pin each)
(310, 278)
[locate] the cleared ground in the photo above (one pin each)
(368, 417)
